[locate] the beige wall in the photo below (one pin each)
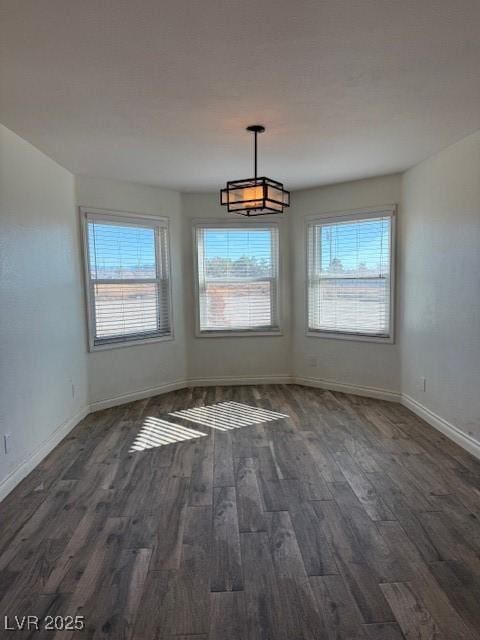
(234, 357)
(116, 374)
(43, 383)
(361, 364)
(440, 285)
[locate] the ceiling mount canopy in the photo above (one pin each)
(255, 196)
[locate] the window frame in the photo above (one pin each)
(221, 223)
(389, 210)
(132, 218)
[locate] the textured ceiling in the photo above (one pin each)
(159, 92)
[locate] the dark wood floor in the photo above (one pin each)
(335, 517)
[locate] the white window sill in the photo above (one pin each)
(238, 334)
(357, 337)
(129, 343)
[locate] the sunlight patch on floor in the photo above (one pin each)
(228, 415)
(156, 433)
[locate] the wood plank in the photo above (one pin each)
(41, 522)
(322, 457)
(425, 587)
(100, 564)
(450, 546)
(226, 571)
(115, 603)
(249, 502)
(459, 520)
(182, 460)
(462, 586)
(201, 482)
(316, 552)
(185, 592)
(337, 607)
(388, 565)
(409, 520)
(272, 493)
(364, 586)
(383, 631)
(73, 561)
(223, 471)
(265, 616)
(338, 532)
(228, 618)
(413, 618)
(265, 464)
(153, 619)
(363, 488)
(169, 535)
(298, 605)
(359, 451)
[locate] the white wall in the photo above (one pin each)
(43, 343)
(248, 357)
(440, 291)
(42, 323)
(117, 373)
(362, 364)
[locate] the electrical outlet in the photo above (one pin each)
(7, 444)
(423, 384)
(312, 361)
(73, 390)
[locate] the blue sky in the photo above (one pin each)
(355, 243)
(135, 246)
(351, 243)
(116, 246)
(236, 243)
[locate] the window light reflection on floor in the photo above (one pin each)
(156, 433)
(227, 415)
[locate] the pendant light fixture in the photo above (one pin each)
(255, 196)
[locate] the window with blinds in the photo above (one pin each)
(127, 267)
(349, 275)
(237, 271)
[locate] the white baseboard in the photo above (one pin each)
(137, 395)
(354, 389)
(283, 378)
(29, 463)
(182, 384)
(464, 440)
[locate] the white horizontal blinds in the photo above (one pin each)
(349, 265)
(237, 271)
(163, 269)
(129, 284)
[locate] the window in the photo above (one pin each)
(237, 269)
(349, 276)
(128, 283)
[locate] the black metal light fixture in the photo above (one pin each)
(255, 196)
